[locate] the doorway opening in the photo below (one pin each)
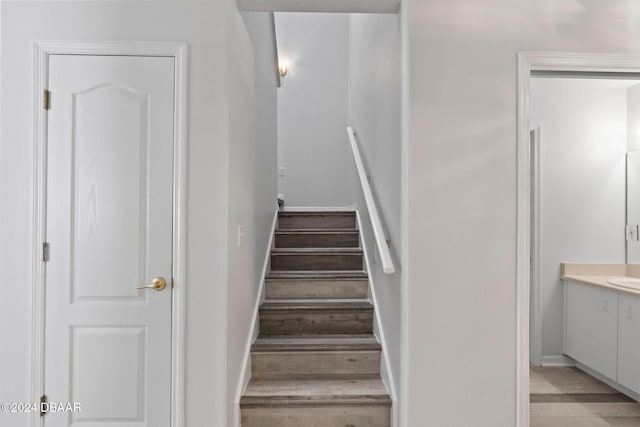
(575, 118)
(340, 69)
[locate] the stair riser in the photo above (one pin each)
(317, 241)
(317, 221)
(331, 416)
(324, 322)
(308, 262)
(314, 364)
(310, 289)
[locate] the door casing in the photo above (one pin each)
(178, 51)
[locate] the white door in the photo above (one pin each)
(109, 229)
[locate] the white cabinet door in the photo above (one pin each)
(629, 342)
(591, 334)
(109, 225)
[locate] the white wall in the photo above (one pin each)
(633, 118)
(216, 174)
(583, 142)
(252, 196)
(374, 113)
(633, 203)
(312, 110)
(461, 179)
(633, 168)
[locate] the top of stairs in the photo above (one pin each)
(317, 220)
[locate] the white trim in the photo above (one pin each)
(378, 231)
(41, 73)
(42, 51)
(318, 209)
(179, 310)
(385, 366)
(404, 258)
(120, 48)
(557, 360)
(245, 372)
(581, 62)
(528, 62)
(535, 305)
(523, 244)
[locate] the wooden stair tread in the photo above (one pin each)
(316, 231)
(316, 238)
(317, 275)
(316, 391)
(316, 360)
(316, 213)
(316, 304)
(318, 251)
(315, 220)
(326, 342)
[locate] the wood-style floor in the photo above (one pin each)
(567, 397)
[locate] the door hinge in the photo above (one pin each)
(43, 401)
(172, 283)
(46, 99)
(45, 252)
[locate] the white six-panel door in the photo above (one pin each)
(109, 229)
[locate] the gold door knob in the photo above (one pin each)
(157, 284)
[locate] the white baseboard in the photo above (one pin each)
(557, 360)
(245, 373)
(385, 367)
(351, 208)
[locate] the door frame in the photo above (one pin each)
(535, 317)
(42, 51)
(529, 62)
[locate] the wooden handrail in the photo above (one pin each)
(378, 232)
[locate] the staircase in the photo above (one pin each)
(316, 362)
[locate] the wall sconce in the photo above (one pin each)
(282, 69)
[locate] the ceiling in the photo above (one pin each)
(329, 6)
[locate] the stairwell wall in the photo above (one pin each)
(312, 110)
(252, 196)
(375, 114)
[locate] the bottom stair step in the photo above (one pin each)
(316, 403)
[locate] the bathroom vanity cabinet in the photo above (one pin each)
(629, 341)
(591, 327)
(602, 331)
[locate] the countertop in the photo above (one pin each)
(599, 274)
